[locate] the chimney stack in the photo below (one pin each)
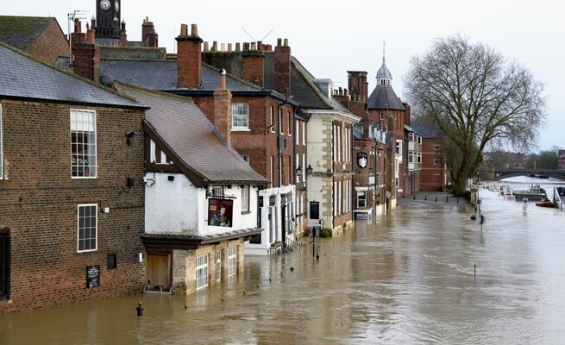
(85, 54)
(222, 109)
(254, 65)
(282, 67)
(189, 58)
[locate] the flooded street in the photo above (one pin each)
(425, 274)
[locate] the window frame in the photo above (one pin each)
(88, 170)
(218, 265)
(82, 238)
(238, 115)
(361, 199)
(201, 272)
(232, 261)
(245, 207)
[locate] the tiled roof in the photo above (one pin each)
(426, 129)
(162, 75)
(25, 77)
(189, 133)
(383, 97)
(20, 32)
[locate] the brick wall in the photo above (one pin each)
(38, 204)
(51, 44)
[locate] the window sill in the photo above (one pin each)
(245, 212)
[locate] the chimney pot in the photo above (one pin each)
(183, 30)
(194, 30)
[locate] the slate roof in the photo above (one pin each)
(383, 97)
(24, 77)
(189, 133)
(426, 129)
(303, 89)
(162, 75)
(21, 32)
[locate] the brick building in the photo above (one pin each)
(40, 37)
(434, 167)
(369, 149)
(71, 195)
(200, 195)
(387, 108)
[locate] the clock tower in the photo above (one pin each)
(108, 21)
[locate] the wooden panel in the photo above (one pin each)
(158, 271)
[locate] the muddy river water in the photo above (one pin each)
(425, 274)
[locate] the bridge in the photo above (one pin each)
(540, 173)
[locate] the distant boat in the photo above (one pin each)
(545, 203)
(543, 176)
(535, 192)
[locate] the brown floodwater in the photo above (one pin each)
(425, 274)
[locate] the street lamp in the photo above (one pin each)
(309, 170)
(299, 171)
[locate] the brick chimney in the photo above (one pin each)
(85, 54)
(222, 109)
(254, 65)
(358, 85)
(282, 67)
(189, 58)
(123, 35)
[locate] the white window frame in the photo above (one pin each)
(218, 265)
(240, 116)
(84, 155)
(86, 231)
(399, 147)
(232, 261)
(1, 146)
(437, 147)
(437, 161)
(244, 199)
(201, 272)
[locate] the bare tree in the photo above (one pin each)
(477, 98)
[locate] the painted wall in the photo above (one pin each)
(177, 206)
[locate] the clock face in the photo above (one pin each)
(117, 6)
(105, 4)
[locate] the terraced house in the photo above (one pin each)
(71, 195)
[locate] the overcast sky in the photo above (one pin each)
(331, 37)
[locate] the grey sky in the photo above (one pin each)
(331, 37)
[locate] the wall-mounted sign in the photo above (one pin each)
(362, 159)
(92, 276)
(220, 212)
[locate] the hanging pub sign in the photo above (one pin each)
(362, 160)
(220, 212)
(92, 276)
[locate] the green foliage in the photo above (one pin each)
(326, 233)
